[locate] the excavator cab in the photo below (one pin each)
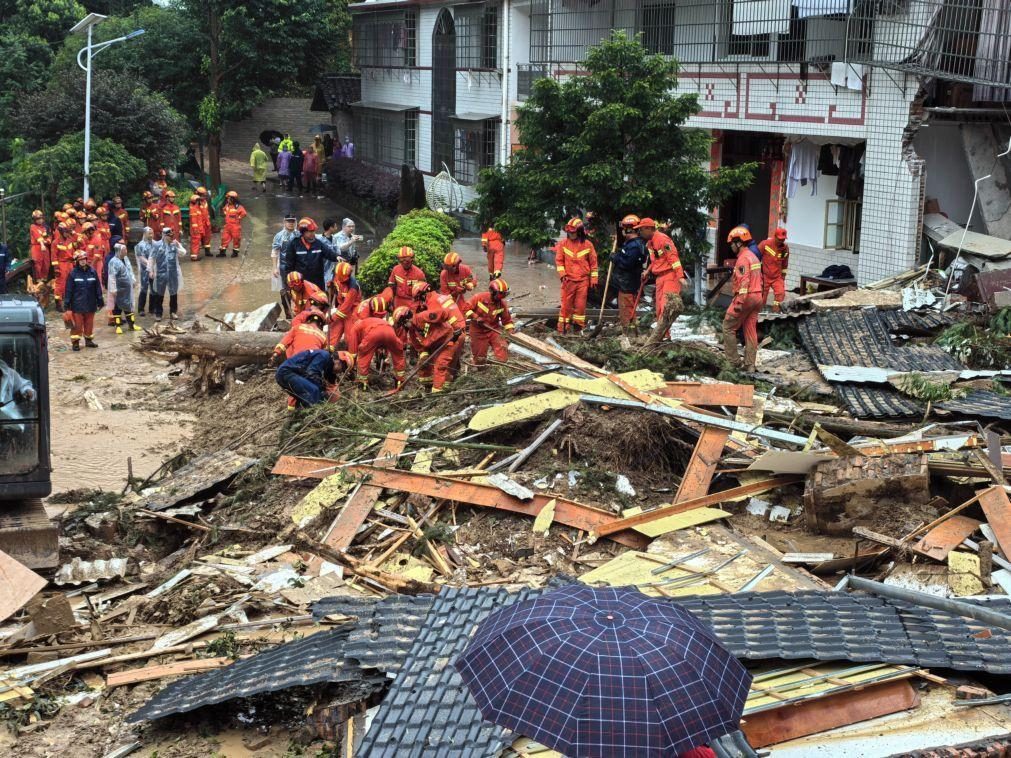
(25, 468)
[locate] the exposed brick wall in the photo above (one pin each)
(285, 114)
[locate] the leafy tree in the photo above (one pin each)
(614, 142)
(49, 19)
(122, 109)
(24, 63)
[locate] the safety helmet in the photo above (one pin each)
(377, 305)
(739, 233)
(401, 312)
(452, 260)
(629, 221)
(406, 253)
(90, 204)
(88, 227)
(232, 195)
(780, 233)
(162, 172)
(68, 206)
(170, 194)
(342, 272)
(498, 287)
(306, 225)
(194, 199)
(316, 313)
(37, 214)
(202, 191)
(646, 223)
(295, 279)
(419, 289)
(79, 254)
(102, 210)
(319, 299)
(147, 195)
(574, 225)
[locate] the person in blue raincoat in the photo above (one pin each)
(122, 284)
(166, 274)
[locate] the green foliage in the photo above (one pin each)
(49, 19)
(783, 334)
(673, 361)
(24, 63)
(612, 141)
(225, 646)
(210, 113)
(443, 218)
(122, 110)
(922, 388)
(977, 347)
(430, 234)
(1000, 322)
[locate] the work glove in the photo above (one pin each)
(273, 360)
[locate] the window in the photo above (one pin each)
(474, 149)
(386, 39)
(842, 225)
(750, 45)
(19, 405)
(476, 37)
(658, 27)
(387, 137)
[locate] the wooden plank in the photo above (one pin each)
(747, 490)
(997, 508)
(18, 585)
(567, 512)
(809, 558)
(555, 353)
(718, 394)
(699, 473)
(147, 673)
(882, 539)
(344, 528)
(944, 538)
(821, 714)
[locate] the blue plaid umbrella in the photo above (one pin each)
(604, 672)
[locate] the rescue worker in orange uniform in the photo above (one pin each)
(150, 214)
(494, 246)
(62, 253)
(576, 263)
(437, 345)
(370, 335)
(403, 276)
(306, 371)
(456, 279)
(744, 308)
(205, 206)
(373, 307)
(775, 260)
(38, 239)
(435, 308)
(307, 335)
(94, 246)
(489, 314)
(346, 296)
(231, 232)
(161, 183)
(120, 212)
(170, 214)
(304, 294)
(200, 227)
(664, 262)
(102, 224)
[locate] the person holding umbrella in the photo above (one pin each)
(604, 672)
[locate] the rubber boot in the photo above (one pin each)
(221, 252)
(119, 324)
(207, 251)
(133, 323)
(89, 342)
(235, 252)
(75, 345)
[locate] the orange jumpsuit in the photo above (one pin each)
(402, 281)
(442, 309)
(486, 314)
(744, 309)
(299, 338)
(305, 295)
(97, 247)
(457, 284)
(150, 215)
(171, 217)
(576, 263)
(231, 232)
(106, 232)
(200, 230)
(494, 246)
(347, 296)
(427, 338)
(369, 335)
(62, 253)
(124, 220)
(775, 259)
(38, 236)
(665, 265)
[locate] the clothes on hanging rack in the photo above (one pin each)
(803, 167)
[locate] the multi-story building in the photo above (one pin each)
(857, 111)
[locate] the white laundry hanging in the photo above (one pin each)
(803, 167)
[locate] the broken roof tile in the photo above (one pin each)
(980, 403)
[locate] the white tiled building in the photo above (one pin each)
(887, 84)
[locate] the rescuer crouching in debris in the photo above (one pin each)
(371, 336)
(743, 311)
(436, 344)
(489, 315)
(307, 372)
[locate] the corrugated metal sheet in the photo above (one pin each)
(980, 403)
(80, 572)
(199, 476)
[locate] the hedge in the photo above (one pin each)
(431, 235)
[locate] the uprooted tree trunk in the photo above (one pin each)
(212, 357)
(673, 307)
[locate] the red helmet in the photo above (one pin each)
(319, 299)
(202, 191)
(88, 227)
(170, 194)
(295, 279)
(305, 224)
(102, 211)
(740, 233)
(316, 313)
(420, 289)
(498, 287)
(194, 199)
(630, 221)
(78, 255)
(146, 195)
(780, 233)
(232, 195)
(452, 260)
(162, 172)
(402, 312)
(646, 223)
(406, 253)
(37, 214)
(342, 272)
(574, 225)
(377, 305)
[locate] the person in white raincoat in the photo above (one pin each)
(166, 274)
(143, 250)
(122, 284)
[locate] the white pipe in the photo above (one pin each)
(506, 85)
(87, 119)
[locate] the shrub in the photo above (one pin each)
(366, 182)
(430, 234)
(443, 218)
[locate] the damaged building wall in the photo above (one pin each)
(949, 180)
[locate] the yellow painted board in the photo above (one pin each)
(527, 408)
(408, 567)
(328, 492)
(963, 574)
(795, 684)
(423, 461)
(684, 520)
(543, 521)
(643, 379)
(633, 568)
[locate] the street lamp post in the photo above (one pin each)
(87, 24)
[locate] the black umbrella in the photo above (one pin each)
(320, 128)
(268, 135)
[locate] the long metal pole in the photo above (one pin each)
(87, 120)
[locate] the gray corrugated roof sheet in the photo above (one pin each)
(361, 652)
(981, 403)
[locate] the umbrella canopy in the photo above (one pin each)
(604, 672)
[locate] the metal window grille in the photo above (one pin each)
(477, 37)
(526, 75)
(386, 137)
(955, 40)
(386, 39)
(474, 149)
